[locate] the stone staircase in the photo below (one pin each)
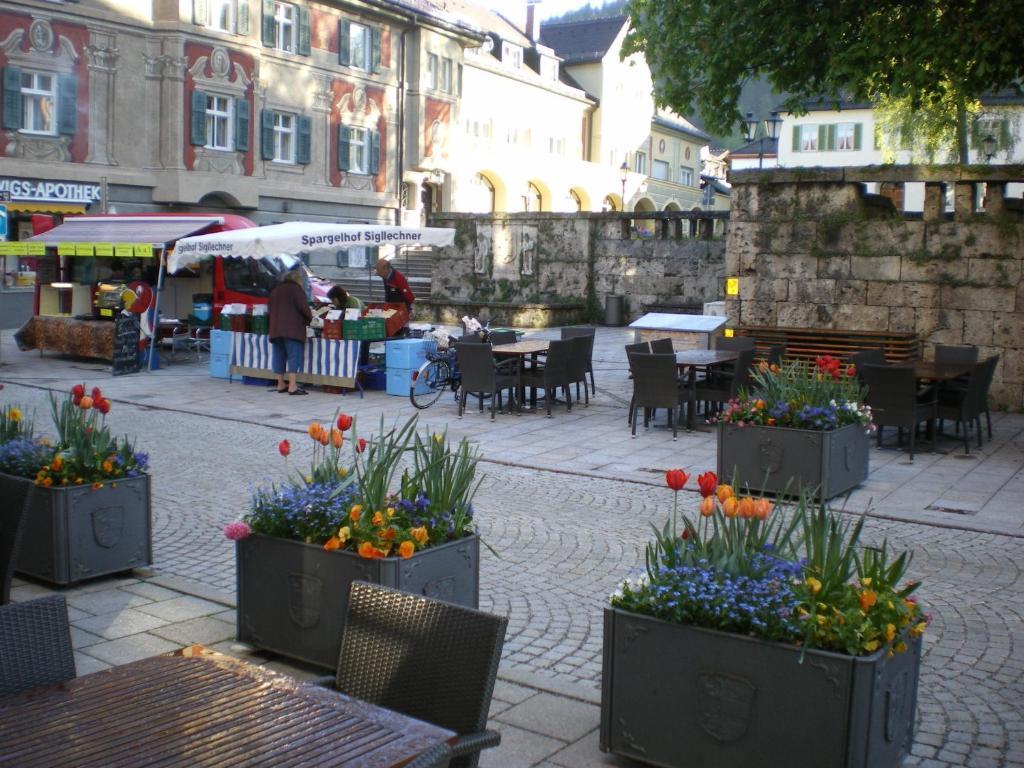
(416, 265)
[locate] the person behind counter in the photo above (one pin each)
(396, 287)
(342, 299)
(289, 316)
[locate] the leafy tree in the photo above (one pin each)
(927, 52)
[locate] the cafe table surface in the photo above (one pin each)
(522, 348)
(932, 371)
(196, 707)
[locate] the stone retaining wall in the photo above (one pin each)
(515, 265)
(812, 250)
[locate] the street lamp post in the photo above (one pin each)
(771, 131)
(623, 174)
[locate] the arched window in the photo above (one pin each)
(609, 204)
(577, 201)
(482, 194)
(533, 200)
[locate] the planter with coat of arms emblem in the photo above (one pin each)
(778, 459)
(293, 597)
(71, 534)
(681, 696)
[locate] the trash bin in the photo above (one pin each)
(614, 309)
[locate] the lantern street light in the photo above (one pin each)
(623, 175)
(771, 131)
(988, 147)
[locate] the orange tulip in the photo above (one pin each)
(746, 508)
(762, 509)
(406, 549)
(313, 429)
(730, 507)
(724, 492)
(707, 506)
(336, 438)
(85, 403)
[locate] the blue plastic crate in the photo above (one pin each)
(408, 353)
(220, 366)
(374, 378)
(400, 379)
(257, 382)
(220, 342)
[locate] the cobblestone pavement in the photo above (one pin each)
(565, 537)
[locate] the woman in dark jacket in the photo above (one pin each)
(289, 316)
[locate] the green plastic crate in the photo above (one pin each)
(259, 324)
(366, 329)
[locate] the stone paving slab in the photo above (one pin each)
(568, 504)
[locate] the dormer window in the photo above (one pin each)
(549, 68)
(512, 54)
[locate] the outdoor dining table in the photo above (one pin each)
(198, 707)
(521, 350)
(931, 371)
(689, 361)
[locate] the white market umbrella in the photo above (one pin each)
(294, 237)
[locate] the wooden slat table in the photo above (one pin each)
(932, 371)
(531, 348)
(200, 708)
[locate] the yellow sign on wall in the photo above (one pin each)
(732, 286)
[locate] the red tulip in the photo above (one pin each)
(78, 390)
(676, 479)
(344, 421)
(707, 482)
(361, 446)
(851, 371)
(96, 393)
(284, 447)
(103, 406)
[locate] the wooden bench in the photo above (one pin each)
(810, 343)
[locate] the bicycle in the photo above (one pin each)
(440, 371)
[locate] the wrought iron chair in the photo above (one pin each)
(725, 384)
(438, 756)
(662, 347)
(641, 347)
(553, 375)
(35, 644)
(896, 401)
(737, 343)
(655, 385)
(590, 333)
(12, 517)
(956, 353)
(502, 337)
(866, 357)
(579, 359)
(775, 354)
(965, 405)
(481, 376)
(424, 658)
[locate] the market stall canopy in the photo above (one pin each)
(118, 235)
(295, 237)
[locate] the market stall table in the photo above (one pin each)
(705, 359)
(197, 707)
(328, 362)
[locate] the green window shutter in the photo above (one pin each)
(831, 137)
(200, 13)
(197, 132)
(303, 30)
(796, 138)
(344, 44)
(303, 144)
(459, 89)
(375, 49)
(267, 134)
(822, 137)
(858, 129)
(243, 17)
(344, 144)
(12, 98)
(373, 162)
(67, 104)
(243, 117)
(269, 25)
(1003, 135)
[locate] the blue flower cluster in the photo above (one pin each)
(761, 605)
(817, 417)
(311, 513)
(24, 457)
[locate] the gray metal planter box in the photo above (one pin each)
(685, 697)
(777, 459)
(292, 597)
(77, 533)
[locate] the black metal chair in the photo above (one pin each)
(956, 353)
(424, 658)
(579, 359)
(12, 516)
(438, 756)
(655, 385)
(725, 385)
(481, 376)
(553, 374)
(866, 357)
(896, 401)
(641, 347)
(502, 337)
(737, 343)
(662, 347)
(719, 376)
(590, 333)
(966, 405)
(775, 354)
(35, 644)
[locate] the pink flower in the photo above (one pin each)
(237, 530)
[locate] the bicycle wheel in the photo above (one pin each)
(429, 382)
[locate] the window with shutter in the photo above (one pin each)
(344, 147)
(304, 47)
(197, 122)
(200, 12)
(67, 104)
(269, 25)
(830, 134)
(822, 138)
(267, 134)
(845, 136)
(302, 147)
(373, 161)
(244, 27)
(857, 132)
(344, 32)
(375, 62)
(285, 21)
(12, 98)
(796, 139)
(242, 120)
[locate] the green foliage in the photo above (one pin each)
(447, 478)
(702, 53)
